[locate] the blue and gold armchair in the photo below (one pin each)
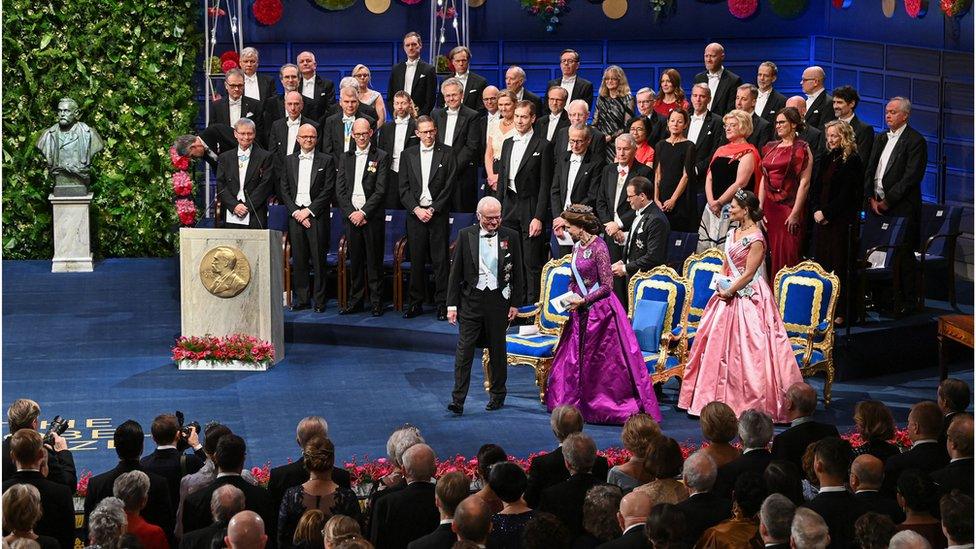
(806, 296)
(539, 349)
(661, 284)
(699, 269)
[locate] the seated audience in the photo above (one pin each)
(401, 440)
(742, 530)
(508, 481)
(877, 427)
(24, 414)
(784, 478)
(408, 513)
(956, 510)
(545, 531)
(874, 530)
(489, 455)
(170, 459)
(472, 520)
(308, 533)
(355, 543)
(106, 525)
(953, 398)
(225, 502)
(917, 496)
(550, 469)
(704, 508)
(926, 454)
(450, 490)
(246, 531)
(810, 484)
(909, 539)
(801, 403)
(808, 531)
(663, 466)
(775, 519)
(600, 523)
(21, 511)
(867, 474)
(958, 474)
(755, 432)
(57, 510)
(635, 507)
(132, 489)
(719, 427)
(565, 500)
(838, 507)
(639, 433)
(665, 528)
(340, 529)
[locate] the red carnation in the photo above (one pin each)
(186, 211)
(229, 55)
(743, 9)
(182, 184)
(179, 162)
(267, 12)
(228, 65)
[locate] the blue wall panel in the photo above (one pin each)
(860, 54)
(914, 60)
(871, 84)
(925, 92)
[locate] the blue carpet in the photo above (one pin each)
(95, 348)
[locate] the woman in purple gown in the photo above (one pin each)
(598, 366)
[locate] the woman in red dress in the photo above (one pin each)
(670, 96)
(640, 128)
(786, 168)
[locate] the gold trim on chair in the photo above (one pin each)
(697, 261)
(669, 346)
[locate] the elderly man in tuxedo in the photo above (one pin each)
(319, 92)
(486, 275)
(646, 245)
(769, 101)
(524, 180)
(394, 138)
(775, 519)
(893, 187)
(336, 130)
(706, 130)
(274, 106)
(245, 180)
(721, 81)
(228, 110)
(645, 106)
(801, 403)
(427, 176)
(472, 84)
(556, 119)
(283, 139)
(846, 100)
(306, 187)
(256, 86)
(574, 178)
(578, 112)
(515, 82)
(575, 85)
(820, 105)
(413, 76)
(457, 128)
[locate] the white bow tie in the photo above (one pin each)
(451, 113)
(292, 123)
(404, 120)
(361, 152)
(714, 75)
(575, 159)
(304, 156)
(233, 103)
(348, 118)
(412, 63)
(521, 139)
(810, 96)
(892, 135)
(423, 150)
(555, 116)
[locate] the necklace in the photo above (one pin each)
(586, 242)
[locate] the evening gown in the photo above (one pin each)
(675, 161)
(783, 167)
(712, 229)
(611, 117)
(741, 355)
(598, 365)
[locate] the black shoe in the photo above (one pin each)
(455, 408)
(299, 306)
(494, 405)
(441, 312)
(357, 308)
(320, 308)
(413, 311)
(377, 310)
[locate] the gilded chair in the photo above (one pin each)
(806, 296)
(699, 269)
(538, 350)
(663, 358)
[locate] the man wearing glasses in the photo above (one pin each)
(228, 110)
(820, 105)
(574, 84)
(283, 141)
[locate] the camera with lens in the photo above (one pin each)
(185, 431)
(58, 426)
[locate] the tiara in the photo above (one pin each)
(579, 209)
(741, 195)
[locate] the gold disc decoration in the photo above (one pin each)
(377, 6)
(476, 3)
(225, 271)
(888, 8)
(614, 9)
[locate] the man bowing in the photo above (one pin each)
(646, 245)
(486, 277)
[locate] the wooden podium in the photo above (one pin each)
(231, 282)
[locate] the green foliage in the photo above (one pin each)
(129, 64)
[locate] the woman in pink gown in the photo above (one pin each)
(598, 366)
(741, 355)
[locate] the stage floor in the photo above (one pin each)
(95, 348)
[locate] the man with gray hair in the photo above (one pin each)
(565, 500)
(800, 403)
(578, 112)
(808, 530)
(336, 129)
(820, 105)
(256, 86)
(755, 432)
(645, 106)
(705, 507)
(775, 520)
(245, 178)
(457, 128)
(133, 489)
(515, 83)
(909, 539)
(555, 118)
(411, 512)
(284, 477)
(472, 520)
(225, 502)
(228, 110)
(106, 524)
(550, 469)
(246, 531)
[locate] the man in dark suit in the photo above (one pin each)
(775, 520)
(769, 102)
(283, 136)
(801, 403)
(427, 178)
(565, 500)
(956, 511)
(361, 188)
(577, 86)
(486, 277)
(336, 129)
(319, 92)
(169, 460)
(207, 146)
(524, 179)
(256, 86)
(755, 432)
(472, 85)
(417, 78)
(611, 201)
(721, 81)
(306, 187)
(450, 491)
(548, 470)
(515, 82)
(409, 513)
(867, 475)
(128, 440)
(556, 118)
(472, 521)
(577, 113)
(846, 99)
(820, 105)
(953, 399)
(398, 135)
(762, 131)
(706, 130)
(57, 510)
(838, 507)
(893, 187)
(809, 530)
(228, 110)
(456, 128)
(245, 180)
(644, 98)
(926, 454)
(634, 510)
(573, 178)
(646, 244)
(229, 459)
(225, 502)
(704, 508)
(274, 106)
(24, 414)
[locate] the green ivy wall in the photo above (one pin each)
(129, 64)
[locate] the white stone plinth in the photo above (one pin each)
(72, 236)
(257, 310)
(223, 365)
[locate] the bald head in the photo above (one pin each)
(801, 400)
(246, 531)
(419, 462)
(867, 472)
(472, 519)
(634, 509)
(714, 56)
(960, 436)
(798, 103)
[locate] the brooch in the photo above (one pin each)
(508, 267)
(639, 243)
(503, 244)
(587, 254)
(372, 167)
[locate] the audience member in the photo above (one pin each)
(499, 127)
(578, 112)
(719, 427)
(319, 93)
(877, 427)
(408, 513)
(508, 481)
(488, 456)
(225, 502)
(355, 543)
(457, 128)
(638, 434)
(565, 500)
(309, 531)
(106, 525)
(874, 530)
(811, 486)
(600, 524)
(402, 439)
(472, 85)
(574, 178)
(369, 97)
(274, 105)
(663, 465)
(24, 414)
(635, 507)
(169, 460)
(769, 102)
(867, 474)
(956, 510)
(705, 130)
(775, 519)
(838, 507)
(132, 489)
(742, 530)
(808, 531)
(665, 528)
(555, 117)
(801, 403)
(909, 539)
(958, 474)
(784, 478)
(246, 531)
(545, 531)
(472, 520)
(926, 454)
(449, 491)
(515, 83)
(762, 130)
(414, 76)
(21, 511)
(228, 110)
(614, 106)
(704, 508)
(820, 105)
(674, 176)
(339, 529)
(917, 497)
(639, 128)
(953, 398)
(721, 82)
(846, 99)
(575, 85)
(755, 431)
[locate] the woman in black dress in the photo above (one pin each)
(835, 201)
(675, 161)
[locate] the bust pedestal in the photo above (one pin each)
(72, 237)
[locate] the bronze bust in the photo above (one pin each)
(68, 147)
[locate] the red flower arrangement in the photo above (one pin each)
(81, 489)
(186, 210)
(546, 10)
(227, 65)
(239, 347)
(916, 9)
(955, 8)
(182, 184)
(262, 474)
(179, 162)
(743, 9)
(842, 4)
(267, 12)
(230, 55)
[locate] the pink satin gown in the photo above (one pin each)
(741, 355)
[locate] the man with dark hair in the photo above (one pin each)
(472, 84)
(769, 102)
(926, 454)
(550, 469)
(472, 520)
(450, 491)
(274, 106)
(575, 85)
(846, 100)
(225, 502)
(952, 398)
(128, 441)
(565, 500)
(867, 475)
(956, 510)
(228, 110)
(555, 118)
(838, 507)
(646, 245)
(24, 413)
(414, 76)
(705, 130)
(755, 432)
(775, 519)
(958, 474)
(545, 531)
(169, 460)
(762, 130)
(721, 81)
(801, 403)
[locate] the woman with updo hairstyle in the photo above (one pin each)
(318, 492)
(719, 427)
(663, 465)
(877, 426)
(598, 366)
(741, 355)
(21, 511)
(638, 434)
(489, 455)
(338, 529)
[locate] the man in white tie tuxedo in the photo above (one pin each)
(769, 102)
(394, 138)
(283, 138)
(337, 129)
(457, 128)
(577, 113)
(721, 81)
(575, 85)
(228, 110)
(306, 187)
(574, 179)
(319, 93)
(472, 84)
(646, 245)
(274, 107)
(256, 86)
(486, 275)
(245, 180)
(515, 82)
(820, 105)
(548, 124)
(414, 76)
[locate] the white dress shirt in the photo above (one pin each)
(452, 116)
(487, 260)
(426, 157)
(243, 159)
(568, 84)
(293, 126)
(308, 88)
(519, 144)
(399, 139)
(553, 122)
(813, 97)
(303, 197)
(695, 126)
(713, 80)
(358, 193)
(883, 161)
(409, 74)
(622, 172)
(235, 110)
(633, 228)
(463, 78)
(251, 88)
(575, 162)
(762, 99)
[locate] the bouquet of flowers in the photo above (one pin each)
(262, 474)
(546, 10)
(81, 490)
(186, 211)
(239, 347)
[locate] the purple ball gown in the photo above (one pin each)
(598, 365)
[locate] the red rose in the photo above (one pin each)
(267, 12)
(229, 55)
(227, 66)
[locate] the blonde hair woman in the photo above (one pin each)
(498, 132)
(614, 106)
(363, 75)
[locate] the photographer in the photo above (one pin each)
(170, 460)
(23, 414)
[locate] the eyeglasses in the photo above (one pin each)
(235, 86)
(426, 132)
(638, 130)
(360, 134)
(307, 137)
(577, 141)
(568, 62)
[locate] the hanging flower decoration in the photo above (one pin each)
(216, 12)
(956, 8)
(411, 2)
(546, 10)
(446, 13)
(186, 210)
(842, 4)
(335, 5)
(267, 12)
(789, 9)
(227, 66)
(662, 9)
(743, 9)
(182, 184)
(916, 9)
(230, 55)
(214, 64)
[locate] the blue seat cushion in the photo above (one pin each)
(816, 356)
(650, 360)
(648, 323)
(536, 346)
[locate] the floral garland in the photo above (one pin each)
(242, 347)
(267, 12)
(186, 210)
(916, 9)
(663, 8)
(546, 10)
(955, 8)
(743, 9)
